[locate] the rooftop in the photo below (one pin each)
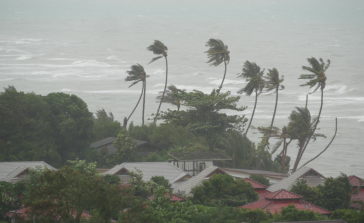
(151, 169)
(200, 156)
(173, 197)
(255, 184)
(10, 170)
(355, 181)
(312, 177)
(282, 198)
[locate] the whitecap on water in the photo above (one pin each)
(90, 63)
(227, 81)
(23, 57)
(340, 89)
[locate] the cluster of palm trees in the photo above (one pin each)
(301, 126)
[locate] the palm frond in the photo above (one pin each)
(158, 48)
(136, 74)
(154, 59)
(217, 53)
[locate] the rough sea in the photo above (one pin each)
(85, 47)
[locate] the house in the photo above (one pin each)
(274, 202)
(106, 146)
(174, 175)
(243, 173)
(312, 177)
(186, 187)
(358, 191)
(174, 198)
(258, 187)
(13, 172)
(194, 163)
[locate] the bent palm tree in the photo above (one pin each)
(217, 54)
(171, 96)
(302, 127)
(317, 80)
(274, 83)
(159, 48)
(137, 74)
(254, 77)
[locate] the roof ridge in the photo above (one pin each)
(272, 196)
(256, 182)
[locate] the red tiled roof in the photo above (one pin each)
(262, 193)
(283, 194)
(354, 180)
(359, 196)
(255, 184)
(173, 198)
(282, 198)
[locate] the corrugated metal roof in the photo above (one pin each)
(186, 187)
(288, 182)
(258, 172)
(207, 156)
(9, 170)
(151, 169)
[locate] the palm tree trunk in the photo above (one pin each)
(251, 119)
(274, 115)
(283, 154)
(314, 129)
(145, 89)
(165, 87)
(223, 79)
(326, 146)
(141, 94)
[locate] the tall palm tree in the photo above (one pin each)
(302, 128)
(273, 84)
(217, 53)
(159, 48)
(254, 77)
(171, 96)
(137, 74)
(317, 79)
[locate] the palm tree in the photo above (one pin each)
(254, 77)
(301, 128)
(137, 74)
(282, 135)
(317, 80)
(217, 54)
(171, 96)
(159, 48)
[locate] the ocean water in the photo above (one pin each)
(85, 47)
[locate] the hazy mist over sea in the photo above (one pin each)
(85, 47)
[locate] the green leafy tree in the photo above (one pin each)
(348, 215)
(72, 124)
(125, 145)
(10, 197)
(317, 79)
(160, 180)
(254, 76)
(260, 179)
(159, 48)
(171, 96)
(203, 117)
(25, 128)
(217, 53)
(225, 189)
(66, 193)
(301, 128)
(309, 194)
(136, 75)
(105, 125)
(291, 213)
